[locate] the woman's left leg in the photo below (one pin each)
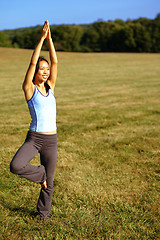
(48, 155)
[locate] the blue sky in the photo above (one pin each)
(19, 13)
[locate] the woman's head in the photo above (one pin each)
(42, 69)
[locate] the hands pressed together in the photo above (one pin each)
(46, 33)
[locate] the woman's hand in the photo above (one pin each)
(49, 32)
(53, 58)
(45, 30)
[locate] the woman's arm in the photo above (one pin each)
(54, 61)
(28, 86)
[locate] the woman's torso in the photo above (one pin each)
(43, 112)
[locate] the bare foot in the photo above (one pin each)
(44, 184)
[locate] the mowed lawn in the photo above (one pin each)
(106, 184)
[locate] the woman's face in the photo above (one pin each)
(43, 72)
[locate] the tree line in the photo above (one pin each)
(140, 35)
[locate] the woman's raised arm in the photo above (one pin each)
(28, 86)
(54, 61)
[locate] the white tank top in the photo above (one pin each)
(43, 111)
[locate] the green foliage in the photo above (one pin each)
(90, 40)
(28, 39)
(69, 37)
(4, 41)
(142, 38)
(141, 35)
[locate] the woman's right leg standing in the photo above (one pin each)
(20, 162)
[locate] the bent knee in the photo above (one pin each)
(14, 168)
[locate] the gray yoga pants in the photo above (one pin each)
(46, 145)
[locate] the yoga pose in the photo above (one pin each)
(38, 87)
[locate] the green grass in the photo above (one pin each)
(106, 184)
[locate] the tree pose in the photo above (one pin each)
(38, 87)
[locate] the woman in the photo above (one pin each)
(38, 87)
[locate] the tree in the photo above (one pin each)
(140, 35)
(142, 38)
(90, 40)
(122, 40)
(4, 41)
(69, 37)
(155, 34)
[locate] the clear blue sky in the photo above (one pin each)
(19, 13)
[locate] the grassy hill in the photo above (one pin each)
(106, 184)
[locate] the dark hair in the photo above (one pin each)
(41, 58)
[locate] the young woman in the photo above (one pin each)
(38, 87)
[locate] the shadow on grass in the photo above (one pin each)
(18, 210)
(19, 206)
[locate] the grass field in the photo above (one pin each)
(106, 184)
